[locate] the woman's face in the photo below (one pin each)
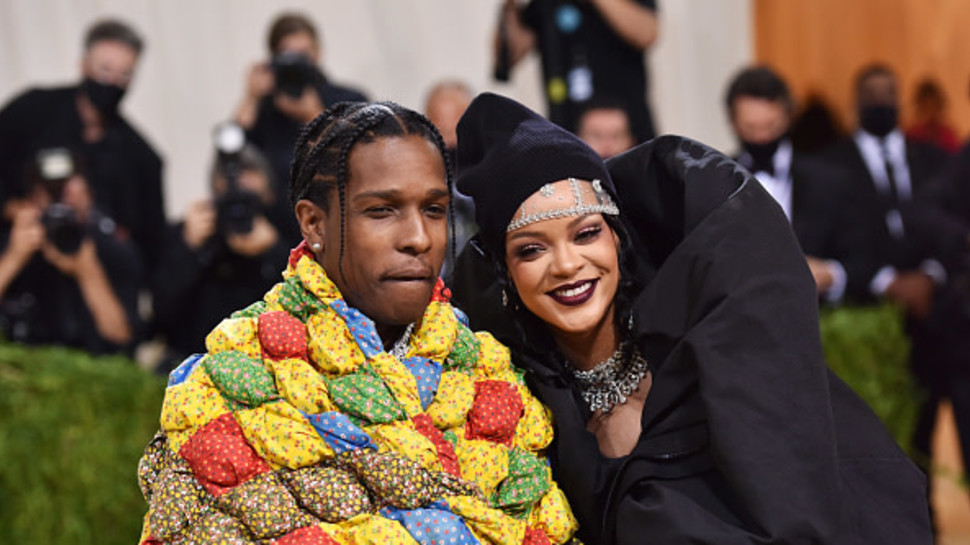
(565, 270)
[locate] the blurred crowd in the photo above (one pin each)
(881, 211)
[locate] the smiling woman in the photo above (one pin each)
(662, 310)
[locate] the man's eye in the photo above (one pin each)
(379, 211)
(437, 210)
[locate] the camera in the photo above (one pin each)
(64, 229)
(293, 72)
(236, 208)
(61, 224)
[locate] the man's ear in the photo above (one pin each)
(313, 222)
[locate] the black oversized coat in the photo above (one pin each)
(746, 436)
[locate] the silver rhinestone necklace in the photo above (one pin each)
(609, 383)
(400, 347)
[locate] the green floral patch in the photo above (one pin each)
(464, 353)
(296, 300)
(526, 483)
(241, 378)
(364, 397)
(252, 311)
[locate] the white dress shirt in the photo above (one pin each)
(779, 186)
(872, 148)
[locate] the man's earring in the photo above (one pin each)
(316, 247)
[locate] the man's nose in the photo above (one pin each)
(414, 234)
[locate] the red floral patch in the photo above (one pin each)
(441, 293)
(281, 336)
(446, 453)
(495, 412)
(534, 536)
(220, 457)
(302, 249)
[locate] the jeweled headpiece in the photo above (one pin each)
(507, 153)
(563, 199)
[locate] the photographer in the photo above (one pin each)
(223, 255)
(123, 170)
(66, 275)
(284, 93)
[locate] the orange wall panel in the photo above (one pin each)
(818, 45)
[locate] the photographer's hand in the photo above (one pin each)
(259, 83)
(200, 224)
(26, 237)
(302, 109)
(27, 233)
(256, 242)
(100, 298)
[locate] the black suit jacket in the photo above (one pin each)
(823, 218)
(882, 248)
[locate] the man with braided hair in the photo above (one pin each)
(352, 404)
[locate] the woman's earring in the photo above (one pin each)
(505, 298)
(316, 247)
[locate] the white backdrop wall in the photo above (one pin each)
(192, 72)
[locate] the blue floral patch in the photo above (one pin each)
(434, 525)
(339, 433)
(427, 374)
(361, 328)
(182, 372)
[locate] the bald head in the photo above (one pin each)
(445, 104)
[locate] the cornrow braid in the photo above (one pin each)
(324, 145)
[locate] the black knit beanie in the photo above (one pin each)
(506, 152)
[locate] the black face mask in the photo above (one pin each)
(105, 97)
(762, 154)
(879, 119)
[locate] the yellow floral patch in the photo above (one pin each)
(301, 385)
(435, 337)
(399, 380)
(315, 280)
(282, 436)
(487, 524)
(493, 357)
(376, 530)
(234, 334)
(456, 394)
(553, 515)
(331, 346)
(534, 431)
(483, 462)
(401, 437)
(189, 406)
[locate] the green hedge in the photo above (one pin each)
(72, 429)
(867, 348)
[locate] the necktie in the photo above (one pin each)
(894, 220)
(890, 175)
